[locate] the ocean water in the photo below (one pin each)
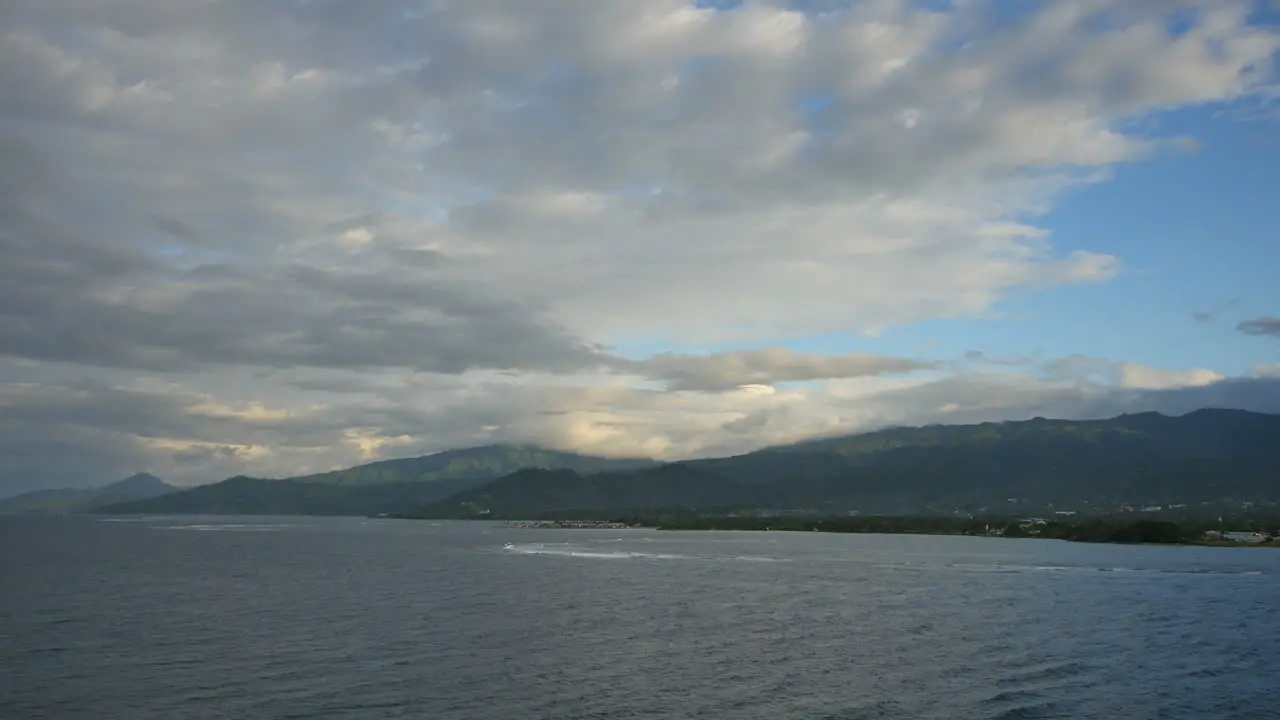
(347, 618)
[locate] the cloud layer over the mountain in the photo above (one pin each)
(264, 236)
(767, 366)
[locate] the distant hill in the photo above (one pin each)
(380, 487)
(82, 500)
(534, 493)
(1205, 456)
(256, 496)
(1203, 433)
(487, 462)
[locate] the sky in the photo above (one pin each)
(273, 237)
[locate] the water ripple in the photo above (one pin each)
(343, 619)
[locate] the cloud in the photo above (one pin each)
(190, 437)
(1135, 376)
(630, 169)
(435, 220)
(1126, 375)
(81, 298)
(767, 366)
(1268, 326)
(1212, 312)
(1269, 370)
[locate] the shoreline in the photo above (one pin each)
(1100, 532)
(658, 528)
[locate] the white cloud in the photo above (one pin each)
(357, 237)
(181, 437)
(1270, 370)
(249, 412)
(1141, 377)
(765, 367)
(397, 203)
(373, 445)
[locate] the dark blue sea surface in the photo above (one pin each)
(343, 619)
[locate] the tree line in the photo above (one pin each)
(1107, 529)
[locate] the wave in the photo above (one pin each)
(566, 550)
(229, 527)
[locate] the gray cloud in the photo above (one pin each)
(71, 295)
(580, 155)
(190, 437)
(283, 322)
(767, 366)
(269, 237)
(354, 222)
(35, 460)
(977, 398)
(176, 228)
(1269, 326)
(1212, 312)
(184, 437)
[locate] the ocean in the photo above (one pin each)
(345, 619)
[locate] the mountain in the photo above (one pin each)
(487, 462)
(256, 496)
(1204, 456)
(1208, 455)
(379, 487)
(140, 485)
(533, 493)
(80, 500)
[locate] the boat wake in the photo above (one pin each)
(228, 527)
(577, 551)
(580, 552)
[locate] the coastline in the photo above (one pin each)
(1107, 532)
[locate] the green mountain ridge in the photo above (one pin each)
(242, 495)
(532, 493)
(1204, 456)
(82, 500)
(489, 461)
(1207, 429)
(374, 488)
